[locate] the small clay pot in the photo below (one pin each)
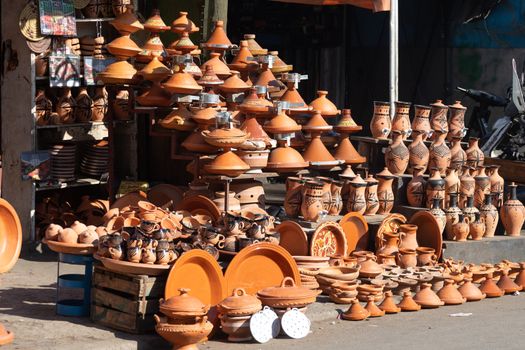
(397, 154)
(406, 258)
(477, 228)
(461, 229)
(381, 124)
(512, 213)
(68, 235)
(426, 256)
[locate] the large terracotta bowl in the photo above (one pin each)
(10, 236)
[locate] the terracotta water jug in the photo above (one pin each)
(397, 155)
(426, 256)
(475, 156)
(312, 205)
(458, 156)
(66, 107)
(384, 191)
(381, 124)
(372, 201)
(497, 184)
(327, 194)
(470, 210)
(456, 121)
(406, 258)
(438, 117)
(418, 152)
(408, 236)
(452, 214)
(512, 213)
(435, 187)
(416, 188)
(336, 204)
(490, 215)
(467, 187)
(421, 121)
(461, 229)
(401, 120)
(390, 244)
(356, 196)
(477, 228)
(439, 153)
(481, 187)
(293, 197)
(84, 104)
(438, 214)
(452, 184)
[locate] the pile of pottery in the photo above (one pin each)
(77, 233)
(309, 267)
(185, 321)
(235, 312)
(94, 159)
(339, 283)
(90, 46)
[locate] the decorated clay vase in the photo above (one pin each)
(381, 124)
(66, 107)
(293, 198)
(477, 228)
(336, 201)
(475, 156)
(438, 117)
(397, 155)
(452, 214)
(312, 205)
(497, 184)
(418, 153)
(43, 107)
(421, 121)
(327, 194)
(438, 214)
(416, 188)
(512, 213)
(461, 229)
(456, 121)
(401, 121)
(458, 156)
(435, 187)
(100, 104)
(481, 187)
(372, 201)
(408, 236)
(356, 197)
(467, 187)
(440, 154)
(84, 104)
(470, 211)
(384, 191)
(489, 213)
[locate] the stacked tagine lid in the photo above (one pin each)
(235, 313)
(155, 72)
(153, 46)
(345, 150)
(316, 153)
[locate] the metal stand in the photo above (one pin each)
(74, 307)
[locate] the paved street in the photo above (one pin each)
(27, 295)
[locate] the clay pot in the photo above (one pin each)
(323, 105)
(293, 197)
(66, 107)
(477, 228)
(490, 288)
(440, 155)
(520, 278)
(369, 267)
(239, 304)
(356, 196)
(421, 121)
(475, 156)
(389, 305)
(336, 202)
(450, 294)
(312, 204)
(100, 104)
(427, 298)
(489, 213)
(236, 327)
(407, 303)
(466, 188)
(43, 108)
(233, 203)
(497, 184)
(470, 292)
(397, 155)
(372, 201)
(121, 106)
(373, 309)
(327, 195)
(385, 259)
(52, 232)
(461, 229)
(458, 156)
(408, 236)
(401, 121)
(418, 153)
(481, 188)
(84, 103)
(426, 256)
(512, 213)
(452, 214)
(470, 211)
(384, 191)
(438, 214)
(406, 258)
(390, 244)
(356, 312)
(249, 193)
(456, 121)
(452, 184)
(438, 117)
(381, 124)
(416, 188)
(287, 294)
(435, 187)
(184, 336)
(68, 235)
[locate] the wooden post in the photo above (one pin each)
(17, 92)
(214, 10)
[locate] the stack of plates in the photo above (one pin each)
(95, 158)
(63, 162)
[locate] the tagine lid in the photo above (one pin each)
(286, 158)
(227, 160)
(155, 23)
(281, 124)
(292, 95)
(239, 300)
(218, 38)
(123, 43)
(358, 181)
(347, 123)
(183, 24)
(241, 61)
(370, 180)
(118, 72)
(182, 80)
(386, 174)
(256, 131)
(204, 115)
(184, 44)
(234, 84)
(253, 104)
(184, 303)
(317, 123)
(287, 290)
(219, 67)
(209, 78)
(254, 46)
(324, 105)
(154, 70)
(224, 133)
(127, 21)
(457, 105)
(279, 66)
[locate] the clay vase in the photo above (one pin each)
(435, 188)
(336, 202)
(438, 117)
(506, 284)
(426, 256)
(520, 278)
(461, 229)
(356, 196)
(293, 198)
(397, 155)
(84, 103)
(100, 104)
(481, 187)
(407, 303)
(440, 155)
(470, 291)
(452, 184)
(467, 187)
(401, 120)
(66, 107)
(497, 185)
(327, 194)
(416, 188)
(372, 202)
(388, 305)
(121, 106)
(427, 298)
(475, 156)
(356, 312)
(381, 124)
(470, 211)
(512, 213)
(372, 308)
(452, 214)
(456, 121)
(490, 288)
(458, 156)
(43, 108)
(408, 236)
(477, 228)
(384, 191)
(450, 294)
(418, 153)
(390, 244)
(489, 213)
(406, 258)
(438, 214)
(312, 204)
(421, 121)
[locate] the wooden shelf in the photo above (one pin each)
(62, 185)
(93, 20)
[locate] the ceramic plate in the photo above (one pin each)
(163, 193)
(200, 205)
(133, 268)
(259, 266)
(131, 199)
(293, 238)
(295, 324)
(355, 228)
(10, 236)
(428, 232)
(389, 224)
(70, 248)
(328, 239)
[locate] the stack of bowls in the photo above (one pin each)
(95, 159)
(308, 277)
(329, 276)
(63, 162)
(309, 267)
(366, 290)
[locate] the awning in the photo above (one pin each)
(374, 5)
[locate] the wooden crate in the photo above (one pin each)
(125, 302)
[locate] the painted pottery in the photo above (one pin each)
(489, 213)
(438, 214)
(497, 185)
(452, 184)
(293, 197)
(461, 229)
(477, 228)
(440, 155)
(389, 305)
(458, 156)
(312, 205)
(336, 202)
(401, 120)
(452, 214)
(450, 294)
(327, 195)
(66, 107)
(456, 121)
(426, 256)
(356, 312)
(100, 104)
(470, 211)
(512, 213)
(475, 156)
(356, 196)
(467, 187)
(43, 108)
(427, 298)
(421, 121)
(438, 117)
(407, 303)
(416, 188)
(435, 187)
(397, 154)
(418, 153)
(481, 187)
(408, 236)
(372, 201)
(83, 106)
(381, 124)
(384, 191)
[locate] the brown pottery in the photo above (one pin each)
(470, 291)
(401, 120)
(438, 214)
(293, 197)
(408, 236)
(506, 284)
(407, 303)
(435, 187)
(438, 117)
(467, 187)
(475, 156)
(427, 298)
(418, 153)
(381, 124)
(426, 256)
(406, 258)
(312, 205)
(512, 213)
(456, 121)
(416, 188)
(452, 214)
(477, 228)
(452, 184)
(458, 156)
(440, 155)
(421, 121)
(372, 201)
(481, 187)
(397, 154)
(497, 185)
(373, 309)
(384, 191)
(450, 294)
(489, 213)
(356, 196)
(389, 305)
(461, 229)
(356, 312)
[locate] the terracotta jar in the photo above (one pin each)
(327, 195)
(390, 244)
(489, 213)
(293, 198)
(450, 294)
(381, 124)
(466, 188)
(440, 155)
(416, 188)
(418, 153)
(470, 210)
(100, 104)
(397, 155)
(475, 156)
(372, 202)
(356, 196)
(312, 205)
(401, 121)
(452, 214)
(406, 258)
(336, 202)
(239, 303)
(408, 236)
(497, 184)
(470, 291)
(385, 259)
(427, 298)
(43, 108)
(512, 213)
(456, 121)
(438, 214)
(421, 121)
(452, 184)
(458, 156)
(435, 187)
(482, 187)
(477, 228)
(438, 117)
(66, 107)
(384, 191)
(83, 103)
(461, 229)
(426, 256)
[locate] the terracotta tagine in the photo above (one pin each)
(373, 309)
(490, 288)
(356, 312)
(452, 215)
(427, 298)
(345, 150)
(293, 197)
(323, 105)
(475, 156)
(512, 213)
(421, 121)
(285, 159)
(418, 152)
(389, 305)
(316, 152)
(401, 120)
(287, 295)
(182, 82)
(481, 187)
(438, 214)
(458, 156)
(372, 200)
(184, 336)
(456, 121)
(397, 154)
(179, 119)
(416, 188)
(155, 25)
(520, 278)
(450, 294)
(452, 184)
(356, 196)
(467, 187)
(369, 268)
(183, 307)
(408, 236)
(384, 191)
(407, 303)
(219, 67)
(279, 66)
(312, 204)
(254, 46)
(497, 185)
(241, 62)
(490, 215)
(440, 155)
(438, 117)
(257, 105)
(506, 284)
(470, 291)
(435, 187)
(218, 40)
(239, 304)
(381, 124)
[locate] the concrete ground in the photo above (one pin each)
(27, 296)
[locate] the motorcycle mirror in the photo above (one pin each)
(517, 92)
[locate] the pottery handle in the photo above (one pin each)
(239, 292)
(434, 258)
(466, 220)
(288, 280)
(205, 132)
(337, 263)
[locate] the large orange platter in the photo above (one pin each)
(70, 248)
(293, 238)
(132, 268)
(10, 236)
(355, 228)
(200, 205)
(259, 266)
(388, 225)
(428, 232)
(328, 239)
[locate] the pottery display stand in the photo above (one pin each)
(74, 307)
